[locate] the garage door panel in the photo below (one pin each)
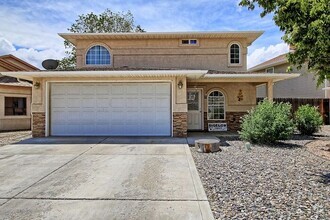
(162, 102)
(148, 88)
(162, 89)
(73, 89)
(102, 89)
(59, 90)
(57, 102)
(73, 103)
(110, 109)
(117, 89)
(118, 103)
(147, 102)
(132, 89)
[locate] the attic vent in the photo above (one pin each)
(50, 64)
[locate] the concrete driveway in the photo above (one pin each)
(100, 178)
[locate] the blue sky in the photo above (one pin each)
(28, 28)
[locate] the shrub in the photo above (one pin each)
(267, 123)
(308, 119)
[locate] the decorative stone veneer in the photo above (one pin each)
(232, 119)
(180, 124)
(38, 124)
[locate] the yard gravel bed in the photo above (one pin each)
(278, 182)
(13, 137)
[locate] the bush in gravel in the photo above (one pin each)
(308, 119)
(267, 123)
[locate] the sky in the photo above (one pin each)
(29, 28)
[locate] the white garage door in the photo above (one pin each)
(123, 109)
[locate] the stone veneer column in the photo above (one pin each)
(38, 124)
(180, 124)
(233, 120)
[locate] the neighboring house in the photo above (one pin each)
(15, 95)
(303, 86)
(148, 84)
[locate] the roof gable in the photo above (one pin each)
(13, 63)
(281, 59)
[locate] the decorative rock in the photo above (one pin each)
(207, 145)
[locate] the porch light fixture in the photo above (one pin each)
(180, 84)
(36, 85)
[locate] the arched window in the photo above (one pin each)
(235, 54)
(98, 55)
(216, 106)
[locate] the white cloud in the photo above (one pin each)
(36, 57)
(5, 46)
(265, 53)
(30, 55)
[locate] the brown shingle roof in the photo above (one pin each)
(11, 81)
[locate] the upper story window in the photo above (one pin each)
(189, 42)
(98, 55)
(270, 70)
(235, 54)
(216, 106)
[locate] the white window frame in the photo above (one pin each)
(15, 96)
(98, 65)
(240, 54)
(189, 42)
(270, 68)
(224, 105)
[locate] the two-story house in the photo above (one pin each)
(304, 86)
(148, 84)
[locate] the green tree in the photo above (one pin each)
(306, 26)
(106, 22)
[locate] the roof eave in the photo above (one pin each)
(275, 77)
(250, 35)
(193, 74)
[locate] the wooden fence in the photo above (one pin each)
(322, 104)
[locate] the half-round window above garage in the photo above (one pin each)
(98, 55)
(234, 54)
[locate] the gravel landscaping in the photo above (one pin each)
(13, 137)
(280, 182)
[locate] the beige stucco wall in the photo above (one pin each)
(167, 53)
(231, 91)
(303, 86)
(15, 122)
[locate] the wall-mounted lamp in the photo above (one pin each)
(180, 84)
(36, 85)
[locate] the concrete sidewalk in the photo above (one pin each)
(100, 178)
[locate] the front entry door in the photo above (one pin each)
(194, 101)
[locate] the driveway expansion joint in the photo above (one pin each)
(107, 199)
(92, 146)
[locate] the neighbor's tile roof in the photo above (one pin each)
(7, 63)
(11, 81)
(269, 63)
(228, 72)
